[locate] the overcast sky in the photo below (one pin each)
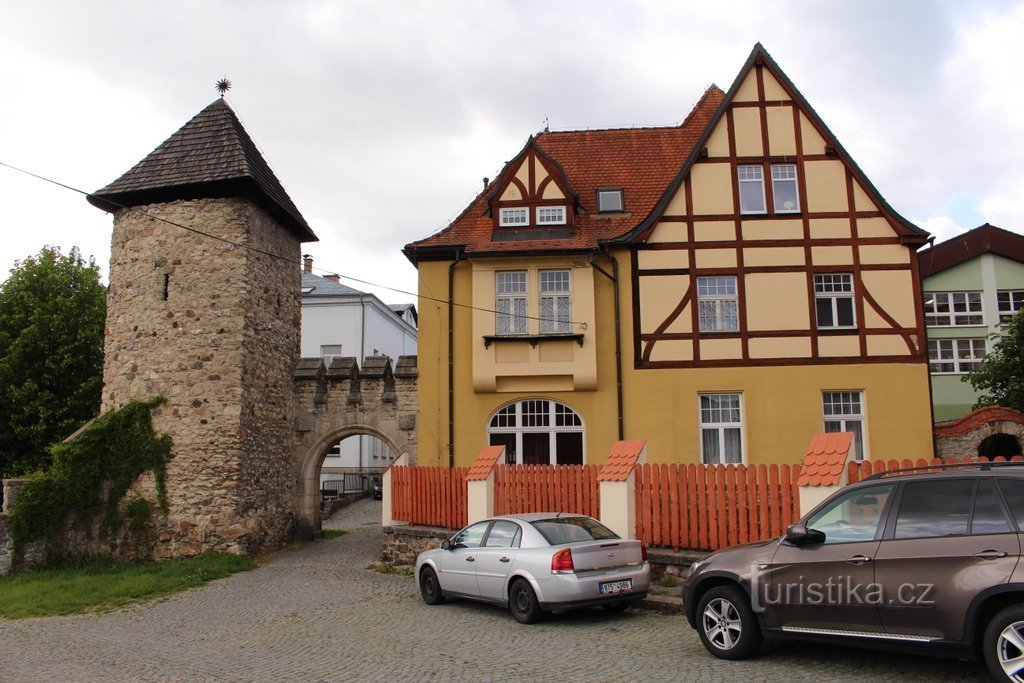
(380, 118)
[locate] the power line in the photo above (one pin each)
(197, 231)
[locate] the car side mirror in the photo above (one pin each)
(799, 534)
(446, 544)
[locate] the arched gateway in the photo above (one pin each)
(343, 400)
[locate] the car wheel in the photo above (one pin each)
(726, 624)
(1004, 644)
(522, 602)
(430, 588)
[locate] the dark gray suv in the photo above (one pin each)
(913, 558)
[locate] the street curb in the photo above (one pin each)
(662, 603)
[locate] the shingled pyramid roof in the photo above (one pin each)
(210, 156)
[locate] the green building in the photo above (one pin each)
(971, 284)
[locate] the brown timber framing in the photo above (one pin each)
(906, 235)
(533, 196)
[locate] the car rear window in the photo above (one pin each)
(562, 530)
(1013, 492)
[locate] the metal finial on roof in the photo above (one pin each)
(223, 85)
(547, 126)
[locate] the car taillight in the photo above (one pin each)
(643, 553)
(561, 562)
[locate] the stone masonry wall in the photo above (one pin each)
(202, 322)
(271, 346)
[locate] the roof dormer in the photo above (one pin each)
(532, 199)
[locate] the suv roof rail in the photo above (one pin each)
(985, 466)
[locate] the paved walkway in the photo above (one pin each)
(316, 613)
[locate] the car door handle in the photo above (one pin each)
(470, 559)
(990, 554)
(504, 559)
(859, 559)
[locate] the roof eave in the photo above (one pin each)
(245, 187)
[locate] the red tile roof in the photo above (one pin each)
(620, 463)
(985, 239)
(978, 418)
(484, 463)
(825, 459)
(641, 161)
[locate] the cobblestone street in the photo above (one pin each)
(316, 613)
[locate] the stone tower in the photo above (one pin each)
(203, 309)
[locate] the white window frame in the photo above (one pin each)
(537, 415)
(557, 219)
(559, 320)
(329, 352)
(833, 287)
(1009, 302)
(841, 410)
(955, 356)
(969, 301)
(514, 217)
(751, 174)
(511, 291)
(785, 174)
(715, 302)
(720, 427)
(602, 195)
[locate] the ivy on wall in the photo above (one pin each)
(91, 475)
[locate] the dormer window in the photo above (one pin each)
(550, 215)
(609, 201)
(516, 217)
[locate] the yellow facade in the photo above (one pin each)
(645, 378)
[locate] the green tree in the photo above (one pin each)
(1000, 376)
(52, 310)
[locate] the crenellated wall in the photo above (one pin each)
(330, 404)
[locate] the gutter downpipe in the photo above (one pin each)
(451, 359)
(614, 277)
(924, 342)
(362, 359)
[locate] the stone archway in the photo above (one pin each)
(960, 439)
(345, 400)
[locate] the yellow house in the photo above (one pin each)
(723, 289)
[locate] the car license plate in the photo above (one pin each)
(612, 587)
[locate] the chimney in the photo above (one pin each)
(307, 263)
(332, 278)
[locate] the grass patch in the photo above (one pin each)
(334, 533)
(389, 568)
(92, 584)
(668, 581)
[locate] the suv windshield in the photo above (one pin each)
(562, 530)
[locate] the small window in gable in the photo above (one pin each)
(514, 217)
(550, 215)
(784, 192)
(751, 179)
(609, 201)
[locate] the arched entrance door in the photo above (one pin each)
(538, 431)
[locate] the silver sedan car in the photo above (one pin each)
(535, 563)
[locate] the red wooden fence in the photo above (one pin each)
(430, 496)
(709, 507)
(856, 471)
(546, 488)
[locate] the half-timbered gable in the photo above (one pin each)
(772, 247)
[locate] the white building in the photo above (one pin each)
(339, 321)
